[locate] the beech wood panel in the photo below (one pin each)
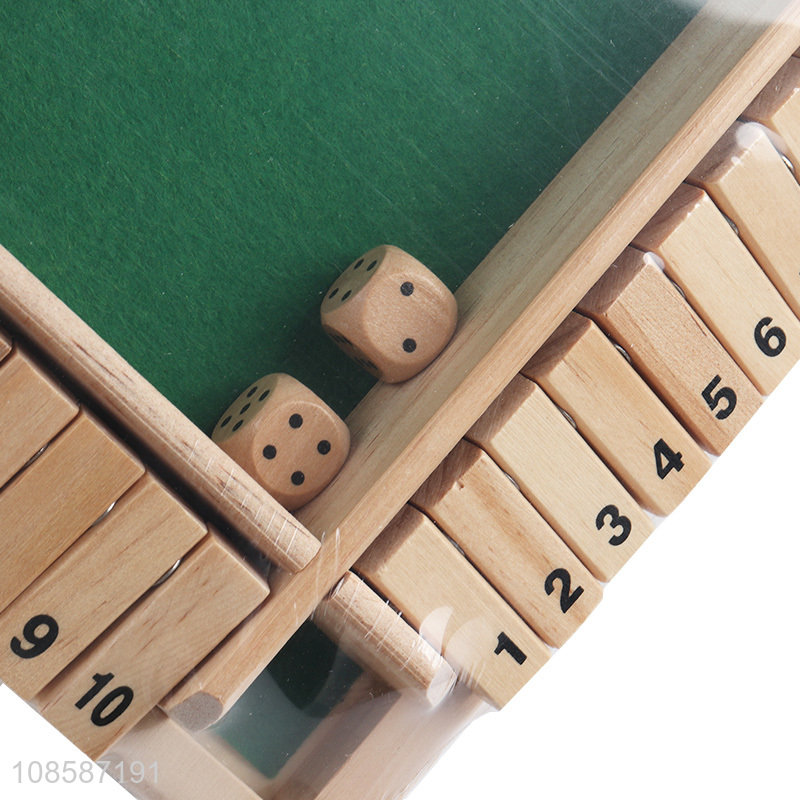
(121, 677)
(96, 580)
(751, 184)
(724, 285)
(532, 441)
(502, 534)
(52, 502)
(618, 414)
(33, 410)
(641, 310)
(777, 107)
(445, 598)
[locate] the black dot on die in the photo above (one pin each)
(333, 293)
(409, 345)
(252, 391)
(372, 266)
(346, 295)
(295, 421)
(263, 396)
(298, 479)
(225, 422)
(407, 289)
(358, 264)
(324, 447)
(244, 408)
(270, 451)
(238, 425)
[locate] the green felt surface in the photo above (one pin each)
(190, 177)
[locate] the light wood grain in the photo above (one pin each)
(641, 310)
(501, 533)
(33, 410)
(97, 579)
(725, 286)
(153, 646)
(381, 749)
(750, 183)
(186, 770)
(379, 640)
(617, 413)
(454, 608)
(532, 441)
(138, 407)
(52, 502)
(777, 107)
(516, 297)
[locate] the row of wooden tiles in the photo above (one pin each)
(93, 632)
(667, 356)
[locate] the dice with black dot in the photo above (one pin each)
(390, 314)
(288, 439)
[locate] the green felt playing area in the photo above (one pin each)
(190, 177)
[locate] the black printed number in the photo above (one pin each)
(39, 632)
(111, 707)
(567, 599)
(616, 520)
(713, 400)
(771, 342)
(504, 644)
(666, 459)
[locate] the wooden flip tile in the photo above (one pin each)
(618, 414)
(414, 565)
(124, 674)
(749, 181)
(641, 310)
(501, 533)
(777, 107)
(378, 639)
(54, 500)
(33, 410)
(92, 584)
(532, 441)
(724, 285)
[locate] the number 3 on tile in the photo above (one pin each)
(111, 707)
(666, 459)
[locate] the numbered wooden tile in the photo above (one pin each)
(638, 306)
(749, 181)
(52, 502)
(5, 345)
(618, 414)
(33, 410)
(132, 666)
(92, 584)
(379, 640)
(444, 597)
(532, 441)
(501, 533)
(724, 285)
(777, 107)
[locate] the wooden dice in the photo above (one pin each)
(288, 439)
(389, 313)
